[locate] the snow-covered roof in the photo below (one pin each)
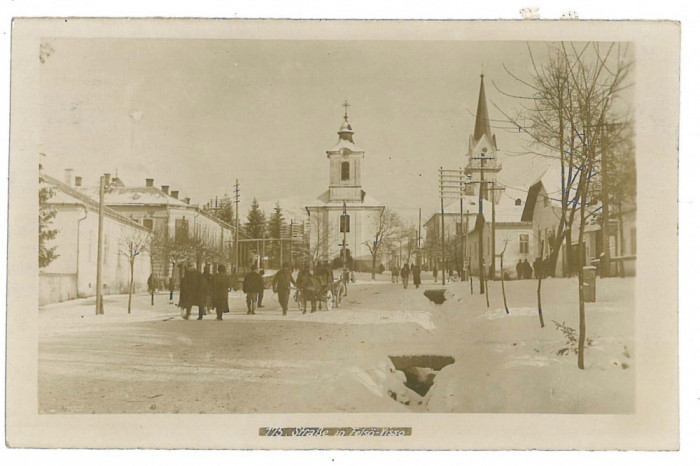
(134, 195)
(67, 195)
(344, 144)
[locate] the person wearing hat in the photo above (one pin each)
(220, 292)
(252, 286)
(281, 285)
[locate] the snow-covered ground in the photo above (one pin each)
(153, 361)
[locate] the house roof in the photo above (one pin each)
(134, 195)
(66, 195)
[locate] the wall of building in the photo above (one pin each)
(363, 225)
(74, 273)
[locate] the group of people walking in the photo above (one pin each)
(406, 273)
(208, 291)
(204, 290)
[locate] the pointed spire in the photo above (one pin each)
(482, 125)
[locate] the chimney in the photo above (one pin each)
(165, 188)
(187, 200)
(175, 194)
(108, 179)
(78, 181)
(68, 176)
(149, 182)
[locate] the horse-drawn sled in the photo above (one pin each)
(314, 290)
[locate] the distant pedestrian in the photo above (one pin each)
(435, 273)
(394, 274)
(519, 269)
(527, 270)
(537, 267)
(220, 287)
(262, 290)
(281, 285)
(405, 272)
(189, 292)
(252, 286)
(151, 286)
(416, 276)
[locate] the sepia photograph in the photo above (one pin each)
(376, 223)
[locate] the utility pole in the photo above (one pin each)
(345, 229)
(482, 158)
(237, 198)
(99, 307)
(291, 243)
(451, 183)
(492, 188)
(442, 236)
(605, 260)
(461, 235)
(419, 252)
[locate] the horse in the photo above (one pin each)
(313, 289)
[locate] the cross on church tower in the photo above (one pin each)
(346, 105)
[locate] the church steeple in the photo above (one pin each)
(482, 125)
(345, 165)
(482, 150)
(345, 132)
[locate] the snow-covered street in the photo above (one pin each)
(152, 361)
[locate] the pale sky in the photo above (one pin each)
(196, 114)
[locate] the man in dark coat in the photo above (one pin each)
(220, 292)
(281, 284)
(527, 270)
(416, 276)
(189, 291)
(519, 269)
(405, 272)
(262, 290)
(252, 286)
(151, 286)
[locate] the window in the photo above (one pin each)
(524, 244)
(518, 201)
(345, 171)
(345, 223)
(148, 223)
(181, 229)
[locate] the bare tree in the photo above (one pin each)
(318, 245)
(571, 98)
(503, 284)
(575, 97)
(388, 228)
(133, 243)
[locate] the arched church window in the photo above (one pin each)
(345, 171)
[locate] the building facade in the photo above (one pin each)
(73, 273)
(344, 210)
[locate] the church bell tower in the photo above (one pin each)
(345, 165)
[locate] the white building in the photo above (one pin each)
(73, 273)
(164, 213)
(344, 197)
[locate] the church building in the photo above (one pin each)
(345, 209)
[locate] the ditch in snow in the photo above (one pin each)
(420, 370)
(437, 296)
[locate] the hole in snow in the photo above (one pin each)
(436, 296)
(420, 370)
